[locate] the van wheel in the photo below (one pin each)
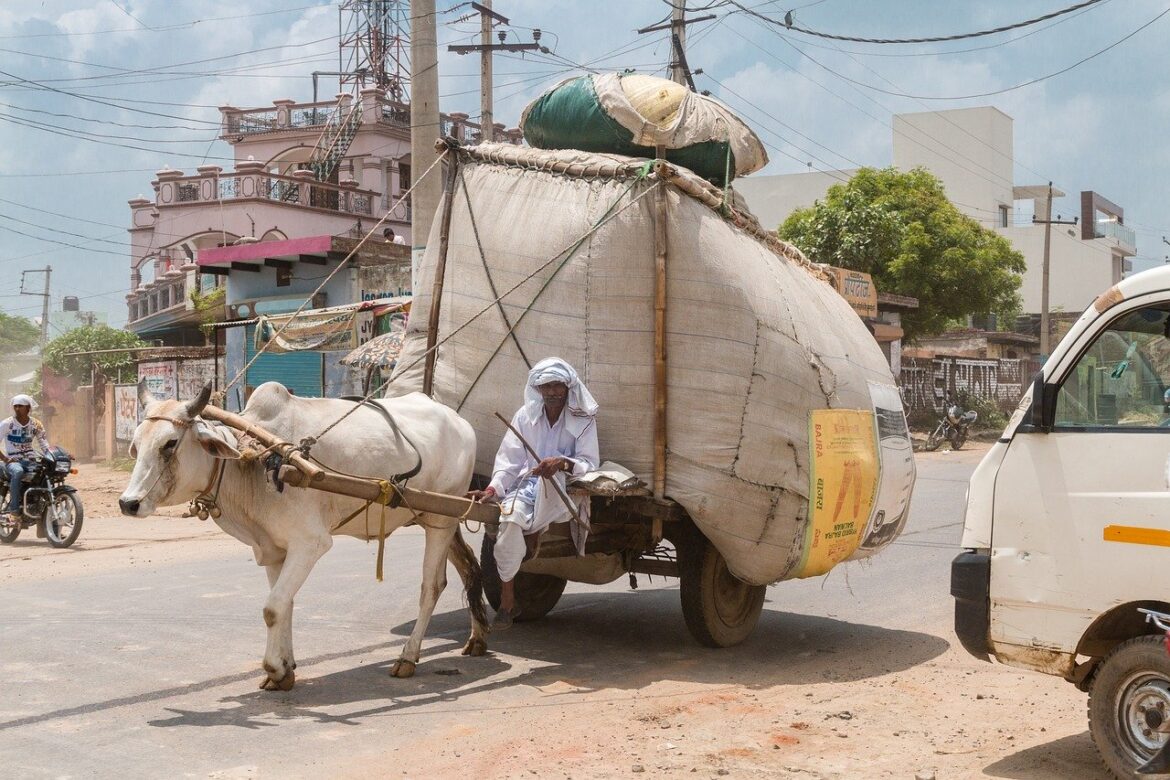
(720, 609)
(536, 594)
(1129, 701)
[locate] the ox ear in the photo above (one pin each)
(216, 440)
(195, 406)
(145, 398)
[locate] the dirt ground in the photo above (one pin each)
(923, 711)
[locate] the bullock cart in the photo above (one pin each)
(733, 380)
(629, 527)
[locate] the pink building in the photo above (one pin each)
(301, 170)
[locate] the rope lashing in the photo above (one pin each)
(491, 305)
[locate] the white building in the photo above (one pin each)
(970, 150)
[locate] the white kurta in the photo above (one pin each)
(528, 503)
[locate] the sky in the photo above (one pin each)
(97, 95)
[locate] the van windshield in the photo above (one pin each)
(1122, 378)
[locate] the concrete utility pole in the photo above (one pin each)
(1044, 331)
(486, 127)
(680, 72)
(678, 40)
(424, 127)
(486, 48)
(1048, 222)
(47, 271)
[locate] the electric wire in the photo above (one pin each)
(789, 25)
(989, 93)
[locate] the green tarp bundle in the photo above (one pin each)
(630, 114)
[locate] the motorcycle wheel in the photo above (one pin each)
(959, 440)
(934, 440)
(63, 520)
(8, 533)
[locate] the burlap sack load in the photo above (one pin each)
(777, 391)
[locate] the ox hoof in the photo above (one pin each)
(285, 683)
(475, 646)
(402, 668)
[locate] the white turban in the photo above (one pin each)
(24, 400)
(580, 402)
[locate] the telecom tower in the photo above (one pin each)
(375, 46)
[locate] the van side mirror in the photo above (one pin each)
(1039, 414)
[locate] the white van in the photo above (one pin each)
(1067, 527)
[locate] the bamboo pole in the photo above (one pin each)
(440, 272)
(370, 489)
(312, 472)
(660, 329)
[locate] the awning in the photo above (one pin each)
(253, 256)
(377, 307)
(322, 330)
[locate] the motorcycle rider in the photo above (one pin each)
(21, 435)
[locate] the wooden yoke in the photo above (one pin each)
(370, 489)
(312, 472)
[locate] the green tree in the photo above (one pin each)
(116, 365)
(900, 228)
(17, 333)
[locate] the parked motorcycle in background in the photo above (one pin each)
(48, 502)
(952, 427)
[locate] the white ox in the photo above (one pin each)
(179, 457)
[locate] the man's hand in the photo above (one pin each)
(487, 495)
(550, 466)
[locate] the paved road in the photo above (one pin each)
(148, 668)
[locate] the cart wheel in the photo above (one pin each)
(536, 594)
(720, 609)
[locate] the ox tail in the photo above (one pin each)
(467, 565)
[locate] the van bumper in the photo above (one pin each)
(971, 587)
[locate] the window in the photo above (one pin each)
(1004, 216)
(1123, 378)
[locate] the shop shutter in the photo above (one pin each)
(298, 371)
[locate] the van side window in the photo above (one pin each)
(1123, 379)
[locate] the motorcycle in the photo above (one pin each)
(48, 503)
(952, 427)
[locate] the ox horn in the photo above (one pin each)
(145, 398)
(195, 407)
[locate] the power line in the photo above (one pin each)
(790, 127)
(788, 24)
(1021, 85)
(1016, 39)
(837, 94)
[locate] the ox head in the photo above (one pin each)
(175, 453)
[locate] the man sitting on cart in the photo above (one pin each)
(557, 421)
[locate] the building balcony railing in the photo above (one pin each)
(286, 115)
(155, 298)
(283, 116)
(297, 190)
(1116, 230)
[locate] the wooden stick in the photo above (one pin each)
(660, 332)
(440, 272)
(370, 489)
(556, 485)
(310, 470)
